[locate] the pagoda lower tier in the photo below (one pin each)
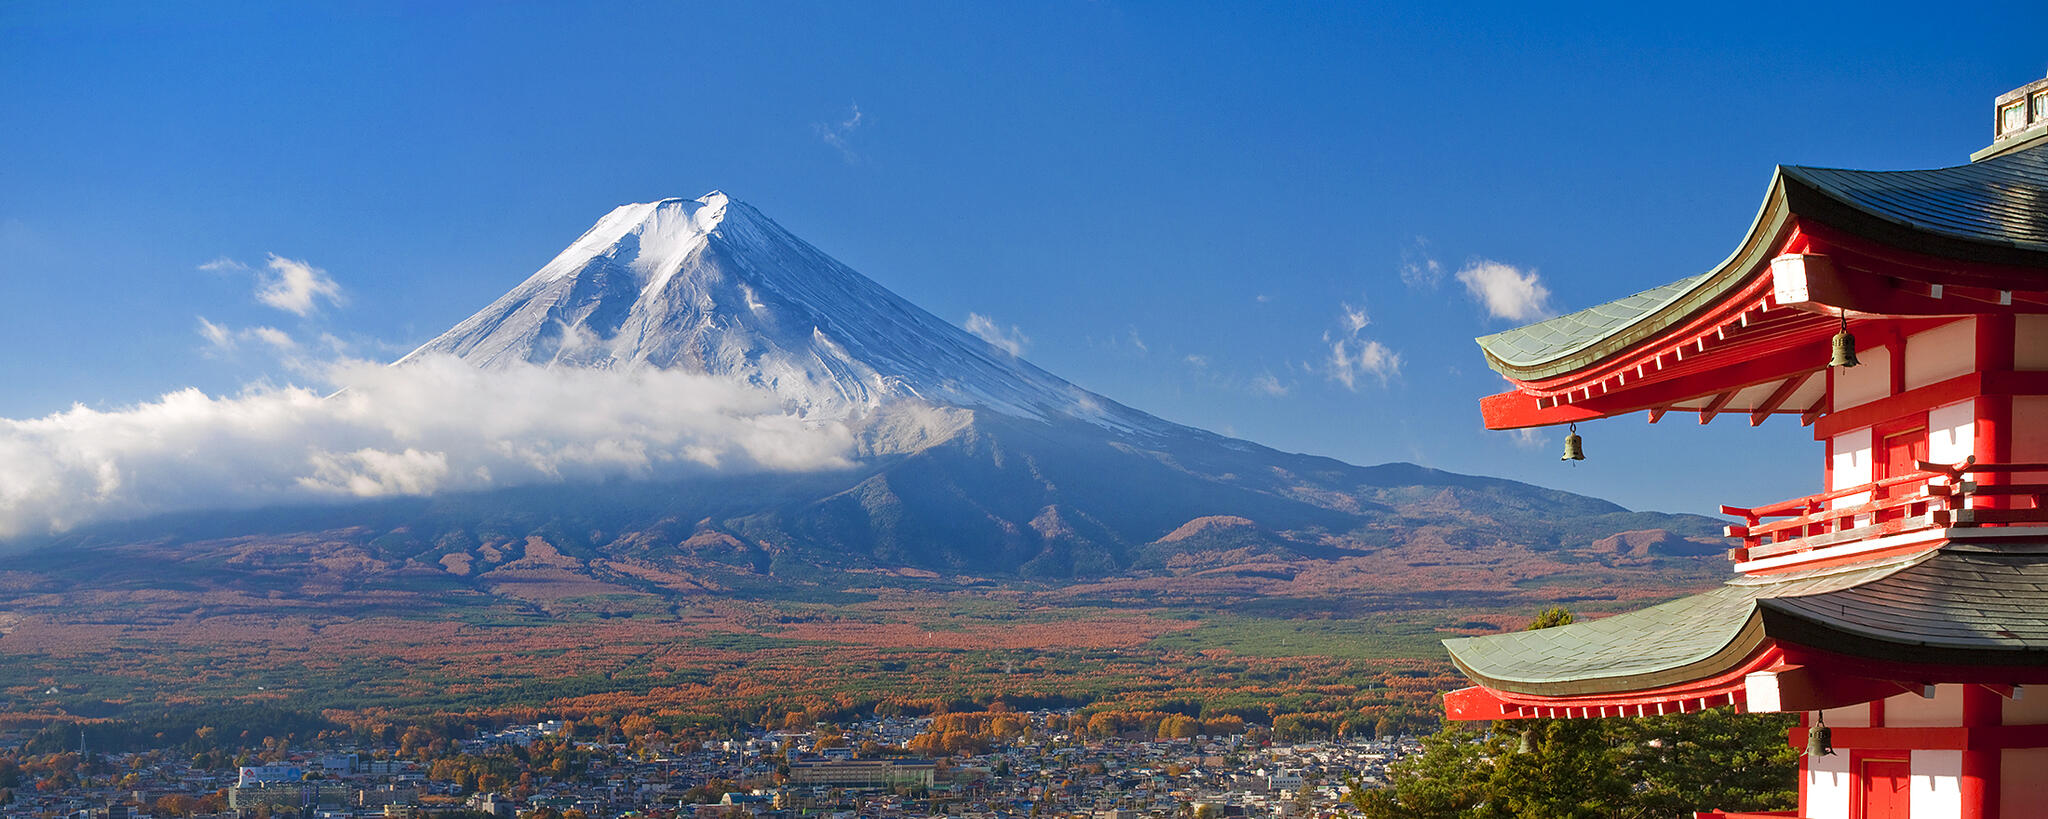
(1918, 664)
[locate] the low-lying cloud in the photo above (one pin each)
(434, 424)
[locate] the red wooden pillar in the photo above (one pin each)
(1805, 769)
(1992, 436)
(1982, 708)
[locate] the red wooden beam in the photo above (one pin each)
(1516, 409)
(1986, 737)
(1939, 393)
(1916, 673)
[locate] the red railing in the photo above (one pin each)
(1935, 496)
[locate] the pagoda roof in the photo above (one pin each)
(1989, 212)
(1945, 606)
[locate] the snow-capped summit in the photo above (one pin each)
(712, 285)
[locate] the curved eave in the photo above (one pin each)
(1765, 236)
(1745, 642)
(1992, 213)
(1684, 641)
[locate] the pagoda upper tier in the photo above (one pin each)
(1907, 250)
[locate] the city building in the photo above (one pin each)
(869, 773)
(1902, 611)
(256, 775)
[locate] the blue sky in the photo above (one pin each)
(1185, 207)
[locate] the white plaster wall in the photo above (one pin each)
(1848, 716)
(1937, 783)
(2030, 709)
(1851, 465)
(1828, 786)
(1951, 432)
(2030, 343)
(2022, 790)
(1870, 380)
(1941, 353)
(1945, 710)
(2030, 430)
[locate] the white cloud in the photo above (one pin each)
(1352, 360)
(1353, 357)
(1355, 319)
(1199, 362)
(296, 287)
(216, 335)
(1011, 340)
(1269, 385)
(435, 424)
(1507, 292)
(839, 134)
(273, 337)
(1419, 269)
(1530, 438)
(223, 264)
(226, 339)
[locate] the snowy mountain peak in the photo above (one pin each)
(711, 285)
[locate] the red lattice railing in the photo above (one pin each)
(1934, 496)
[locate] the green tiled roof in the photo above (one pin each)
(1994, 211)
(1546, 340)
(1684, 639)
(1948, 606)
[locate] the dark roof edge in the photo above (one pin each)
(1811, 201)
(1790, 627)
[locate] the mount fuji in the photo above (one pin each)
(711, 285)
(975, 459)
(966, 460)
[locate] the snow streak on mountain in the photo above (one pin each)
(711, 285)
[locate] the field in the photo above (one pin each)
(314, 625)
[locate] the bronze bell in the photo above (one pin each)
(1845, 347)
(1819, 742)
(1528, 744)
(1574, 449)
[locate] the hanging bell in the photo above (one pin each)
(1819, 742)
(1528, 744)
(1574, 449)
(1845, 347)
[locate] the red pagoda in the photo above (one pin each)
(1902, 315)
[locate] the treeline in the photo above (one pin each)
(196, 729)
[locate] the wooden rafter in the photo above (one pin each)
(1715, 406)
(1777, 398)
(1657, 413)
